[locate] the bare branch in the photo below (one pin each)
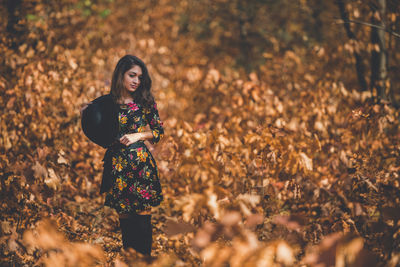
(340, 21)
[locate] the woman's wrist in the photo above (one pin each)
(141, 137)
(145, 136)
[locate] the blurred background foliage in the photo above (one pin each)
(282, 130)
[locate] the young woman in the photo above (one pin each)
(130, 177)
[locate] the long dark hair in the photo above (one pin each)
(142, 95)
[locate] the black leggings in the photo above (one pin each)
(137, 233)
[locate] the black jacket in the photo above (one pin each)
(99, 122)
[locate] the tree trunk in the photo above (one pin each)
(244, 45)
(379, 58)
(13, 10)
(359, 64)
(317, 8)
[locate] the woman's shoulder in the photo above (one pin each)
(104, 99)
(99, 122)
(105, 102)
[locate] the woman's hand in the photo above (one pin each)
(129, 139)
(84, 107)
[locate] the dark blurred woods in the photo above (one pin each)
(244, 33)
(282, 130)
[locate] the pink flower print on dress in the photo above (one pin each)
(131, 188)
(156, 121)
(133, 106)
(133, 165)
(141, 155)
(145, 194)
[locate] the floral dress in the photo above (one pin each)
(136, 180)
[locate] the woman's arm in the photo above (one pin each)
(128, 139)
(145, 136)
(155, 123)
(156, 126)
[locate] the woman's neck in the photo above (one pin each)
(125, 99)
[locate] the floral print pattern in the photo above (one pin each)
(137, 186)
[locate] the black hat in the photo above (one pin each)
(99, 121)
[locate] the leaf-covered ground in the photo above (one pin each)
(284, 166)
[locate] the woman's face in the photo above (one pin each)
(132, 78)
